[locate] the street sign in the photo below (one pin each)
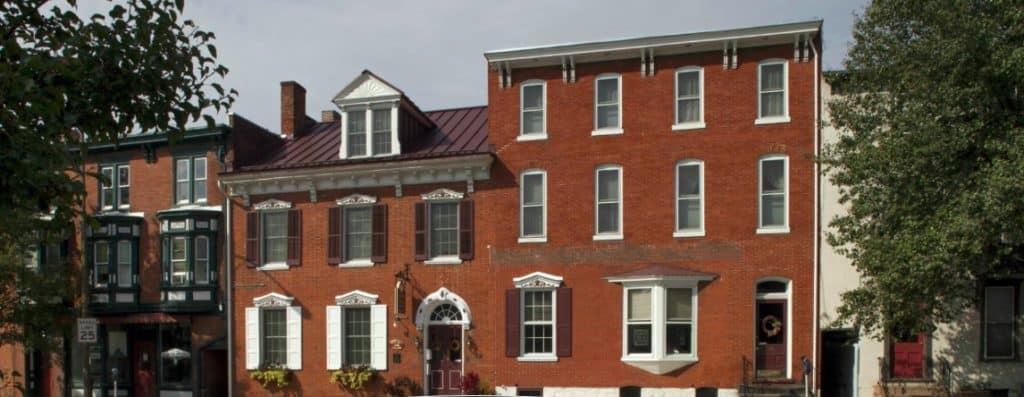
(87, 330)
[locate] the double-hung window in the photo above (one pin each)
(124, 264)
(190, 180)
(370, 130)
(539, 318)
(538, 322)
(179, 261)
(202, 260)
(273, 333)
(101, 263)
(444, 228)
(275, 237)
(773, 192)
(357, 332)
(533, 210)
(381, 131)
(357, 336)
(115, 188)
(607, 105)
(689, 198)
(772, 95)
(689, 98)
(357, 232)
(533, 116)
(356, 132)
(608, 203)
(999, 321)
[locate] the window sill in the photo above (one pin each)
(535, 136)
(357, 263)
(533, 240)
(771, 120)
(688, 126)
(607, 237)
(546, 358)
(607, 131)
(660, 366)
(688, 233)
(273, 267)
(443, 260)
(773, 230)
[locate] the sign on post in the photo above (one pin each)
(87, 330)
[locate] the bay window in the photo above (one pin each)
(189, 258)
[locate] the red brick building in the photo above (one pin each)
(627, 217)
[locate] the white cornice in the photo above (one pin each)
(442, 194)
(271, 204)
(356, 298)
(538, 280)
(356, 199)
(273, 299)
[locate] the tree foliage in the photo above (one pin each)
(931, 161)
(67, 81)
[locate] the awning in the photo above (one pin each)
(661, 272)
(143, 318)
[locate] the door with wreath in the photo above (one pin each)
(771, 339)
(445, 360)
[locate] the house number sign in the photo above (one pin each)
(641, 337)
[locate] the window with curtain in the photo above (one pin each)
(607, 105)
(275, 237)
(772, 89)
(688, 96)
(638, 321)
(773, 192)
(444, 229)
(532, 108)
(358, 233)
(532, 201)
(689, 208)
(381, 131)
(608, 201)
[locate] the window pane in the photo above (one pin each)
(679, 304)
(538, 338)
(773, 211)
(639, 305)
(358, 233)
(382, 131)
(202, 260)
(537, 306)
(677, 338)
(274, 350)
(176, 357)
(689, 214)
(357, 133)
(275, 237)
(607, 116)
(608, 185)
(689, 110)
(608, 91)
(533, 121)
(689, 84)
(533, 192)
(533, 221)
(124, 264)
(999, 304)
(179, 262)
(772, 104)
(771, 77)
(101, 258)
(106, 187)
(444, 229)
(357, 336)
(689, 180)
(607, 217)
(200, 179)
(200, 168)
(773, 176)
(999, 340)
(123, 183)
(639, 338)
(533, 97)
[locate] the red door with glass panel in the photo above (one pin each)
(445, 363)
(771, 339)
(906, 356)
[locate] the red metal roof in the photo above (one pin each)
(459, 131)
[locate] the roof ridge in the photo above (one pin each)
(455, 108)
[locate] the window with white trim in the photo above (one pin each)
(190, 180)
(533, 206)
(533, 117)
(179, 261)
(689, 98)
(538, 314)
(369, 130)
(607, 104)
(381, 131)
(273, 333)
(444, 229)
(356, 131)
(358, 237)
(275, 337)
(773, 192)
(101, 263)
(659, 324)
(274, 234)
(999, 334)
(357, 332)
(115, 187)
(689, 198)
(772, 95)
(202, 260)
(608, 202)
(539, 318)
(124, 263)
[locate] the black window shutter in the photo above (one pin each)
(563, 333)
(421, 231)
(252, 239)
(333, 236)
(512, 322)
(165, 259)
(466, 230)
(295, 237)
(380, 234)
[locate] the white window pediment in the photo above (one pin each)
(538, 280)
(356, 199)
(442, 194)
(271, 204)
(356, 297)
(365, 87)
(273, 299)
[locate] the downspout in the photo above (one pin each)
(229, 289)
(817, 214)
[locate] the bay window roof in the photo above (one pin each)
(661, 272)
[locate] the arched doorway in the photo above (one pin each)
(773, 328)
(443, 319)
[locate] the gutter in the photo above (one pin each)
(229, 291)
(817, 219)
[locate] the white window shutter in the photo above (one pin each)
(379, 337)
(333, 337)
(252, 338)
(293, 322)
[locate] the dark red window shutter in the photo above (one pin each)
(466, 230)
(421, 231)
(333, 236)
(252, 239)
(294, 237)
(512, 322)
(563, 333)
(380, 234)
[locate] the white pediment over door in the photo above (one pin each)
(366, 86)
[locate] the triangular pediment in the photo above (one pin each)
(366, 86)
(355, 298)
(273, 299)
(538, 280)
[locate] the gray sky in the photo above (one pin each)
(433, 50)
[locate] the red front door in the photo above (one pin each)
(143, 368)
(445, 363)
(771, 339)
(906, 355)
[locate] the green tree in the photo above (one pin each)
(67, 81)
(931, 160)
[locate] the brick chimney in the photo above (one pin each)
(329, 116)
(293, 108)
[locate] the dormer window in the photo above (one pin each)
(381, 131)
(370, 113)
(356, 132)
(373, 141)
